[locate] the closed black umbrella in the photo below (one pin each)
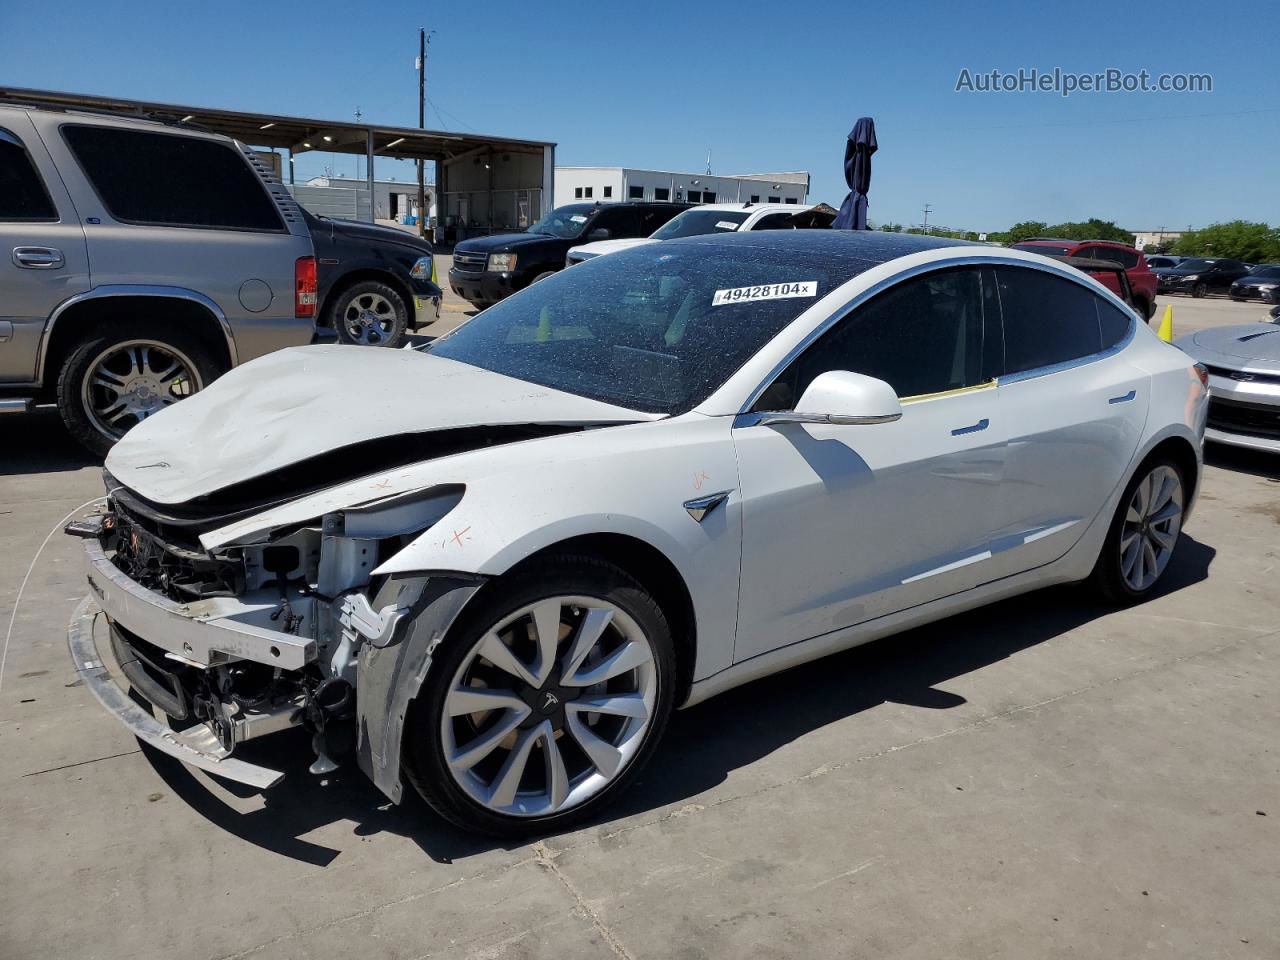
(857, 173)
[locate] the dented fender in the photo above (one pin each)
(390, 676)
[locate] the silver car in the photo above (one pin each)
(140, 261)
(1244, 382)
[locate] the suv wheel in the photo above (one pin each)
(543, 706)
(1199, 290)
(120, 376)
(370, 314)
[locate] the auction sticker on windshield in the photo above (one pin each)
(768, 291)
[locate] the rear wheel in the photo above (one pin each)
(129, 371)
(370, 314)
(1144, 533)
(543, 706)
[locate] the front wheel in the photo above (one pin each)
(1200, 290)
(1143, 534)
(370, 314)
(542, 276)
(543, 706)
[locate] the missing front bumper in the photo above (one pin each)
(198, 746)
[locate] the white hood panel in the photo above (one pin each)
(295, 404)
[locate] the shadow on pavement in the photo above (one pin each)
(1259, 463)
(37, 442)
(702, 746)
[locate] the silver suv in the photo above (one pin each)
(138, 261)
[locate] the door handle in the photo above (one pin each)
(38, 258)
(972, 428)
(1125, 398)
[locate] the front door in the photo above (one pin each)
(43, 259)
(842, 524)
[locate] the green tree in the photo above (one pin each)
(1237, 240)
(1023, 231)
(1091, 229)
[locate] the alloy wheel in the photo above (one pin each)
(549, 706)
(1151, 526)
(370, 319)
(128, 382)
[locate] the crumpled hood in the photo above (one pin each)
(1246, 344)
(299, 403)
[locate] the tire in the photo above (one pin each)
(369, 314)
(599, 751)
(1147, 310)
(1121, 574)
(139, 354)
(1200, 290)
(542, 276)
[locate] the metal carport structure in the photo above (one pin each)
(476, 166)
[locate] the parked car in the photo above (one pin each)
(1163, 260)
(631, 486)
(373, 283)
(1244, 382)
(706, 218)
(1200, 276)
(1260, 283)
(487, 269)
(142, 261)
(1141, 279)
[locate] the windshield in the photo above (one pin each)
(1047, 249)
(1196, 263)
(657, 328)
(564, 222)
(1269, 270)
(693, 223)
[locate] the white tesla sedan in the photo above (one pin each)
(493, 568)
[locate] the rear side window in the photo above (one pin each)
(1047, 319)
(160, 178)
(1126, 258)
(22, 193)
(1112, 322)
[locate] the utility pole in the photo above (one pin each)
(422, 123)
(927, 208)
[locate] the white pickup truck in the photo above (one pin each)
(696, 221)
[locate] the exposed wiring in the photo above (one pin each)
(4, 653)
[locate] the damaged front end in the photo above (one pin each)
(289, 628)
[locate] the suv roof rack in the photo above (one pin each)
(150, 117)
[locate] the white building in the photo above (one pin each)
(348, 199)
(1154, 238)
(608, 184)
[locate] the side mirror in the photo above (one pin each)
(599, 233)
(842, 397)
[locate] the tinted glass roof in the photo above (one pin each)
(873, 246)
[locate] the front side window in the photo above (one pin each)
(773, 221)
(171, 180)
(922, 336)
(1047, 319)
(656, 328)
(22, 193)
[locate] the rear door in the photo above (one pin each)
(1076, 410)
(166, 208)
(43, 259)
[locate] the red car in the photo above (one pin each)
(1141, 279)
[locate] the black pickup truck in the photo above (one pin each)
(372, 283)
(487, 269)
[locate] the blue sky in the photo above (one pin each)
(766, 86)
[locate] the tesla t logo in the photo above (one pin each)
(550, 701)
